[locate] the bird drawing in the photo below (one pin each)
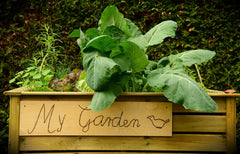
(157, 123)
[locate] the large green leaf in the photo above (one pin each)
(115, 33)
(81, 84)
(163, 62)
(133, 58)
(75, 33)
(195, 56)
(123, 60)
(156, 35)
(161, 31)
(99, 69)
(92, 33)
(179, 88)
(133, 29)
(140, 41)
(115, 52)
(103, 99)
(112, 17)
(152, 65)
(82, 41)
(103, 43)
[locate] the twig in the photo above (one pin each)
(145, 86)
(42, 63)
(199, 75)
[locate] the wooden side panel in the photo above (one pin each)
(178, 142)
(221, 102)
(177, 108)
(13, 143)
(231, 125)
(192, 131)
(73, 118)
(56, 118)
(199, 123)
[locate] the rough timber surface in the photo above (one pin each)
(192, 131)
(23, 91)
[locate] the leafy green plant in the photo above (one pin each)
(43, 66)
(34, 79)
(115, 60)
(81, 84)
(50, 51)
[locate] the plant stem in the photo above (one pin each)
(44, 58)
(145, 86)
(199, 75)
(127, 87)
(133, 80)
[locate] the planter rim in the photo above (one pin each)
(22, 91)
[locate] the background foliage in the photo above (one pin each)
(212, 25)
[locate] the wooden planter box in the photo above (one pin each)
(51, 122)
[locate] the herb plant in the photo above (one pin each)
(43, 65)
(115, 60)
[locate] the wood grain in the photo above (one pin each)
(199, 123)
(193, 131)
(231, 125)
(13, 143)
(177, 108)
(74, 118)
(178, 142)
(23, 91)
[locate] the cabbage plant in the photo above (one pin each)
(115, 61)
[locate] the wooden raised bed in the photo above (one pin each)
(190, 131)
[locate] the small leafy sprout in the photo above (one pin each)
(115, 60)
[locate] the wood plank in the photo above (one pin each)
(89, 98)
(13, 141)
(178, 142)
(74, 118)
(231, 125)
(177, 108)
(23, 91)
(199, 123)
(221, 102)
